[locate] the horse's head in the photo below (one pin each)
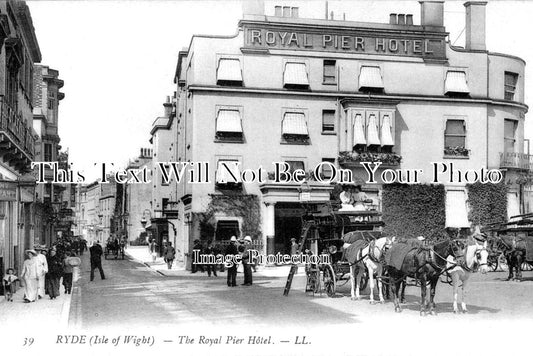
(477, 255)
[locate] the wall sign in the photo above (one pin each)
(428, 45)
(8, 191)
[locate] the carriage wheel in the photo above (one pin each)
(526, 266)
(493, 262)
(328, 275)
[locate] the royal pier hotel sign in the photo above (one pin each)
(429, 45)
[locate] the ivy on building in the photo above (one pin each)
(244, 206)
(414, 210)
(488, 203)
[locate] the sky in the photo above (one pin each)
(118, 58)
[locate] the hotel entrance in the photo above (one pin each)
(288, 225)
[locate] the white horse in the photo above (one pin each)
(370, 258)
(475, 258)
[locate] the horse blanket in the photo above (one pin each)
(350, 253)
(396, 254)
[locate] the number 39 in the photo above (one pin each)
(28, 341)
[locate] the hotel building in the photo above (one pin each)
(305, 91)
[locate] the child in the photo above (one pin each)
(9, 284)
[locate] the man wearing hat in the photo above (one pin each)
(42, 269)
(195, 266)
(231, 250)
(246, 263)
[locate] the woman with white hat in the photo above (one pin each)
(29, 276)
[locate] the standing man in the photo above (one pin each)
(42, 270)
(96, 252)
(197, 266)
(232, 270)
(246, 263)
(169, 254)
(211, 267)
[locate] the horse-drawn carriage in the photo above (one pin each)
(329, 230)
(115, 248)
(512, 244)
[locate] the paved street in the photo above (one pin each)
(135, 294)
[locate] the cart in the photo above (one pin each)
(114, 248)
(329, 228)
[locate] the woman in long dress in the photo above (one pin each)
(29, 276)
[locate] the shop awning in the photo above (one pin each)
(358, 131)
(229, 121)
(387, 138)
(370, 77)
(456, 82)
(295, 74)
(294, 124)
(372, 130)
(229, 69)
(456, 212)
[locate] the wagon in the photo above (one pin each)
(114, 248)
(328, 229)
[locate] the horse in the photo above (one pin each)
(370, 257)
(514, 252)
(460, 267)
(424, 264)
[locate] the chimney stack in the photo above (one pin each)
(475, 25)
(393, 19)
(168, 107)
(432, 13)
(253, 7)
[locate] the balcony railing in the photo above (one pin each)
(13, 125)
(516, 160)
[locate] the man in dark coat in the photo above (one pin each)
(232, 270)
(96, 252)
(246, 263)
(197, 266)
(210, 250)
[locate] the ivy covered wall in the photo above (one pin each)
(488, 203)
(414, 210)
(245, 206)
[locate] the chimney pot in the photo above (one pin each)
(393, 19)
(286, 11)
(277, 11)
(401, 19)
(294, 12)
(409, 19)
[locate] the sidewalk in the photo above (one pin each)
(44, 313)
(141, 255)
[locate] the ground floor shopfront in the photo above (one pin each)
(16, 223)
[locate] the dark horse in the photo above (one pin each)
(424, 264)
(514, 251)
